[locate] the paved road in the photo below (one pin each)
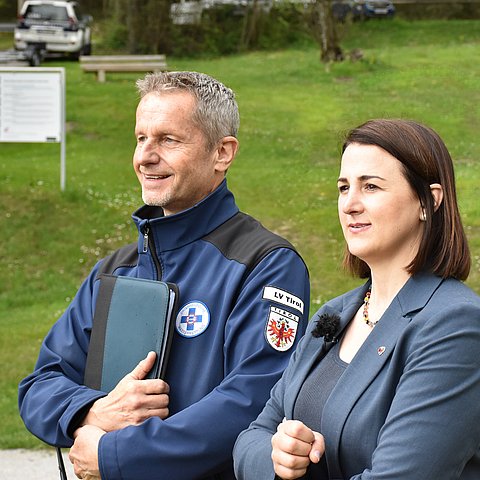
(32, 465)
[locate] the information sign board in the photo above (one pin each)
(32, 107)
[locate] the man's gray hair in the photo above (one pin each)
(216, 113)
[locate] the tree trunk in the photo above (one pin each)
(132, 11)
(323, 27)
(158, 34)
(250, 25)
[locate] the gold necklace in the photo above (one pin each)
(366, 303)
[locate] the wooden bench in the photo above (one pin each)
(122, 63)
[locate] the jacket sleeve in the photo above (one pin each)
(433, 426)
(51, 397)
(253, 448)
(198, 441)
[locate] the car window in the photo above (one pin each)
(46, 12)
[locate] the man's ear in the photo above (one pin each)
(226, 151)
(437, 194)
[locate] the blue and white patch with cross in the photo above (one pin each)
(192, 319)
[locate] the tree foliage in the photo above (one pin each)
(143, 26)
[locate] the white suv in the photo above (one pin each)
(58, 26)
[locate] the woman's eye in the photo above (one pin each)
(370, 186)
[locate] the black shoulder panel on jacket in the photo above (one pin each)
(244, 239)
(126, 256)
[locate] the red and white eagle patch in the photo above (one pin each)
(281, 328)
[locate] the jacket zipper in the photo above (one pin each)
(149, 242)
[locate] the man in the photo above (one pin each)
(245, 290)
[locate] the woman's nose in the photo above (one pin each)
(351, 201)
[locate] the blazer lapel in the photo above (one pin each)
(315, 348)
(370, 359)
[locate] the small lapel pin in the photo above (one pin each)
(380, 350)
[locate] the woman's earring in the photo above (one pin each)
(424, 215)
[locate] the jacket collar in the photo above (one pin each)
(174, 231)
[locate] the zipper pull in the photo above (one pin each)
(145, 240)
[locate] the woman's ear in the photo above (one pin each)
(437, 194)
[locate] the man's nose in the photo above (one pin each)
(147, 153)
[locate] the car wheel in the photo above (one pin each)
(87, 49)
(35, 59)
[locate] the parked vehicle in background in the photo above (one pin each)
(341, 9)
(371, 8)
(59, 25)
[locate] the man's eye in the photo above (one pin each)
(343, 188)
(141, 138)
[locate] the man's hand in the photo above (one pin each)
(84, 453)
(294, 446)
(132, 401)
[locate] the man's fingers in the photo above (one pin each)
(142, 369)
(155, 387)
(160, 413)
(152, 402)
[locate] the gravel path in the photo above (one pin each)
(32, 465)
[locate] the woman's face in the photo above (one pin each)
(379, 212)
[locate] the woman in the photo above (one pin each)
(386, 382)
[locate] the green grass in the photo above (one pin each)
(294, 112)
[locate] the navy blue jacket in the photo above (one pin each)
(237, 281)
(408, 405)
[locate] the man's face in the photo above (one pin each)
(171, 159)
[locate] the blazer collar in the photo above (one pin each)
(412, 297)
(372, 356)
(368, 361)
(416, 293)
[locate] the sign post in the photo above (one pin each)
(32, 108)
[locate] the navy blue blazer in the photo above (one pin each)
(408, 405)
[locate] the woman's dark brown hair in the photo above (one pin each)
(443, 248)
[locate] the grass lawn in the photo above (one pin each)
(294, 113)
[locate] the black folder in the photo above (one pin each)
(133, 316)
